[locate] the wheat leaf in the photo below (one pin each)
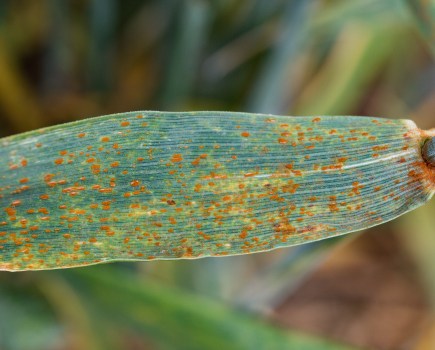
(156, 185)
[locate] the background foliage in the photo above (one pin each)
(62, 60)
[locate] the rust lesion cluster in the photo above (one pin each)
(424, 170)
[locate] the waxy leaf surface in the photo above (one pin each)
(156, 185)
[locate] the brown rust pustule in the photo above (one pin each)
(428, 152)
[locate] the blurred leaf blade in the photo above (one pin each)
(103, 20)
(268, 95)
(73, 314)
(358, 55)
(422, 242)
(185, 321)
(190, 32)
(58, 60)
(268, 288)
(424, 14)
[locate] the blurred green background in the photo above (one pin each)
(62, 60)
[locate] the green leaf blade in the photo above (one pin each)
(155, 185)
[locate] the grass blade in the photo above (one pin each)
(181, 320)
(143, 186)
(268, 95)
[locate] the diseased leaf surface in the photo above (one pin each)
(154, 185)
